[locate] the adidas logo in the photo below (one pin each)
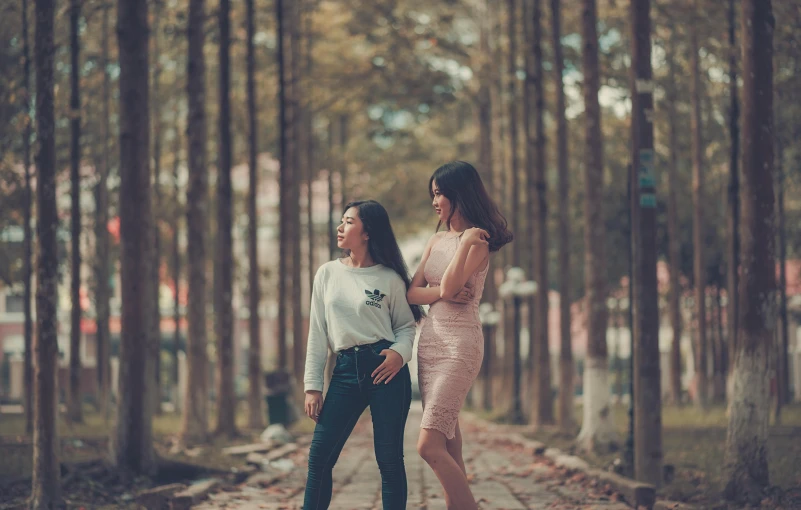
(375, 298)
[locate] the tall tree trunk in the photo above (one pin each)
(674, 243)
(514, 318)
(298, 171)
(647, 394)
(132, 441)
(746, 463)
(485, 127)
(226, 394)
(156, 269)
(308, 131)
(176, 260)
(284, 183)
(102, 241)
(782, 358)
(255, 418)
(27, 263)
(332, 163)
(566, 365)
(733, 217)
(543, 413)
(597, 429)
(74, 409)
(699, 235)
(46, 486)
(194, 422)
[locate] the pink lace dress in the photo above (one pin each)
(451, 345)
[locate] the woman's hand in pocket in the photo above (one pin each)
(314, 404)
(387, 370)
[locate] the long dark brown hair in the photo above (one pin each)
(381, 243)
(461, 184)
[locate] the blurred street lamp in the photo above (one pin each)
(489, 318)
(517, 288)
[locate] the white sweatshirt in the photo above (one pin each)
(355, 306)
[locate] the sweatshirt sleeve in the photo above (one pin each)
(403, 325)
(317, 345)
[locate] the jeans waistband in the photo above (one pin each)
(356, 348)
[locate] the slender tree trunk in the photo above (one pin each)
(298, 171)
(102, 241)
(226, 395)
(647, 394)
(699, 236)
(132, 441)
(566, 365)
(176, 260)
(194, 422)
(733, 217)
(514, 318)
(46, 486)
(255, 415)
(674, 243)
(27, 263)
(543, 395)
(156, 269)
(332, 162)
(284, 183)
(782, 358)
(74, 408)
(485, 126)
(597, 431)
(746, 463)
(308, 130)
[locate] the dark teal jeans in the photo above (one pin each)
(350, 392)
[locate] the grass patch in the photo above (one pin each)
(89, 441)
(693, 441)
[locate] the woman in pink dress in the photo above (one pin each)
(450, 278)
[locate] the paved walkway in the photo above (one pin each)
(502, 476)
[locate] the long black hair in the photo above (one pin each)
(381, 243)
(461, 184)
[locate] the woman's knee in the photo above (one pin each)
(429, 450)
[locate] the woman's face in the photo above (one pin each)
(442, 206)
(350, 232)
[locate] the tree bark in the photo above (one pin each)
(46, 485)
(102, 241)
(309, 145)
(27, 263)
(566, 417)
(226, 395)
(176, 260)
(156, 268)
(298, 167)
(733, 217)
(255, 416)
(597, 430)
(132, 441)
(284, 182)
(647, 394)
(782, 358)
(332, 163)
(514, 318)
(194, 422)
(746, 464)
(543, 413)
(699, 229)
(674, 244)
(74, 408)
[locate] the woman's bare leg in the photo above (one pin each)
(454, 447)
(432, 447)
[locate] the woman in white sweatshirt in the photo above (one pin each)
(359, 308)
